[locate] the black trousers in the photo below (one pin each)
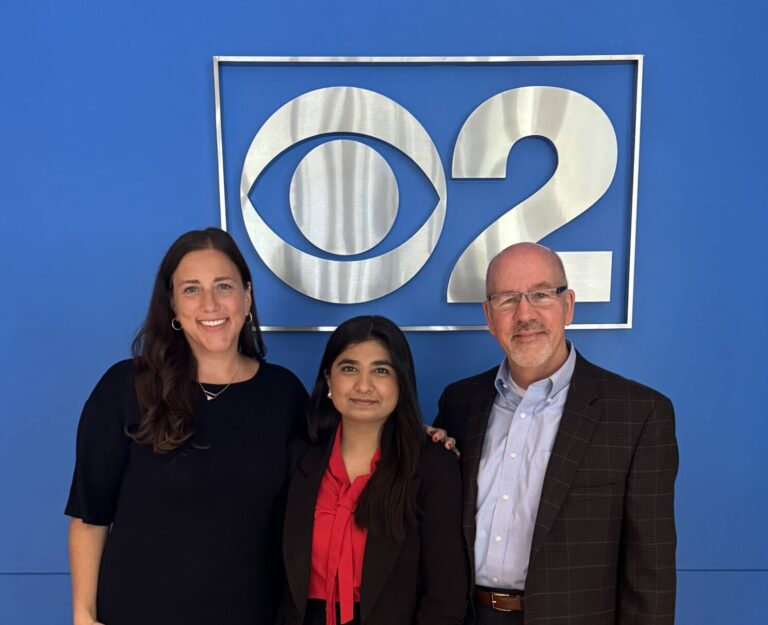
(315, 613)
(486, 615)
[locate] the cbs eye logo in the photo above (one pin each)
(344, 196)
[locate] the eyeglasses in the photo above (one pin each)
(538, 298)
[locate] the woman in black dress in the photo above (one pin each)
(177, 492)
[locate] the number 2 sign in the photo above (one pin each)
(351, 241)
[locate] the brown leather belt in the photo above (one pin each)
(501, 601)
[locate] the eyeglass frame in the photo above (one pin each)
(556, 292)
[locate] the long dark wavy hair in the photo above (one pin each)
(387, 504)
(166, 369)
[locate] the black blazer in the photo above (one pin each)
(603, 548)
(422, 579)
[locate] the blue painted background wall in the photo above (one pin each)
(107, 152)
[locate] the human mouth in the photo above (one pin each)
(212, 323)
(363, 403)
(527, 336)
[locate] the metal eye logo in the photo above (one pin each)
(343, 194)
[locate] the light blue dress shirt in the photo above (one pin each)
(518, 442)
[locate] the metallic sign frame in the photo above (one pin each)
(637, 59)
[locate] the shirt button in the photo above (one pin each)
(523, 415)
(513, 455)
(505, 497)
(498, 539)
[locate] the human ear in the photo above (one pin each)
(248, 295)
(489, 317)
(570, 303)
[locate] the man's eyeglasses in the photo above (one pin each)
(538, 298)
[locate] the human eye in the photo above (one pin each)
(506, 300)
(224, 286)
(540, 295)
(347, 369)
(384, 371)
(190, 289)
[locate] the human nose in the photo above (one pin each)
(210, 300)
(524, 308)
(363, 384)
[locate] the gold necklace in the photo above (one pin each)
(210, 395)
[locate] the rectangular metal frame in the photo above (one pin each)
(637, 59)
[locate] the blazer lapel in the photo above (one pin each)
(381, 553)
(478, 409)
(580, 415)
(300, 519)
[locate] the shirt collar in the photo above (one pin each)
(336, 460)
(552, 385)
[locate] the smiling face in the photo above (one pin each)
(363, 383)
(210, 302)
(532, 338)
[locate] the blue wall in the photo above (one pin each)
(108, 152)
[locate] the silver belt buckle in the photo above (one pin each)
(493, 601)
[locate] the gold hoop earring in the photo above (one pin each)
(174, 321)
(249, 317)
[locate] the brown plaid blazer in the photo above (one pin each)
(603, 547)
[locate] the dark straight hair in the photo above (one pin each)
(166, 368)
(387, 504)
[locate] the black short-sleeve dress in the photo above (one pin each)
(194, 535)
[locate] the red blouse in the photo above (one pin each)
(338, 544)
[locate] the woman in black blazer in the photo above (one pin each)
(372, 532)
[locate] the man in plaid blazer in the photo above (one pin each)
(568, 469)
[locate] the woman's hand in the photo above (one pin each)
(438, 435)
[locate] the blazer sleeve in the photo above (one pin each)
(443, 569)
(439, 420)
(646, 581)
